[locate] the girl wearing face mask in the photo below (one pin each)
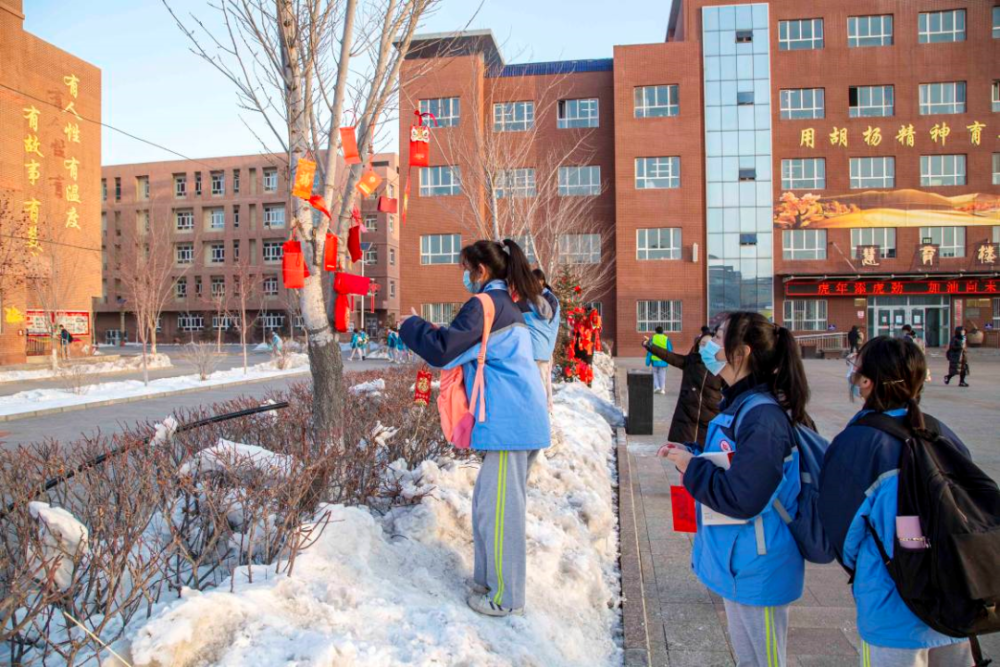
(743, 551)
(517, 416)
(858, 495)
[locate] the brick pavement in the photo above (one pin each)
(685, 623)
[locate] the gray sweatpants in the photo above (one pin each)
(659, 378)
(954, 655)
(498, 516)
(758, 634)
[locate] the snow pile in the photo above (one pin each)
(227, 456)
(164, 432)
(122, 365)
(380, 591)
(371, 388)
(62, 539)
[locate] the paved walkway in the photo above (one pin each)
(685, 623)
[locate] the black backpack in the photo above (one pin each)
(954, 584)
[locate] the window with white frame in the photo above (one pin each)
(440, 314)
(513, 116)
(803, 244)
(516, 183)
(440, 181)
(946, 26)
(867, 101)
(802, 103)
(190, 322)
(657, 101)
(995, 96)
(225, 322)
(807, 173)
(869, 30)
(652, 314)
(805, 314)
(526, 244)
(236, 181)
(180, 186)
(142, 187)
(270, 180)
(217, 219)
(873, 172)
(883, 237)
(236, 217)
(579, 181)
(270, 285)
(181, 288)
(657, 173)
(942, 98)
(184, 220)
(371, 222)
(392, 229)
(272, 320)
(184, 253)
(371, 256)
(392, 288)
(218, 183)
(800, 34)
(392, 257)
(274, 216)
(577, 113)
(272, 251)
(217, 253)
(446, 110)
(996, 35)
(218, 287)
(579, 248)
(951, 240)
(440, 248)
(658, 243)
(996, 169)
(940, 170)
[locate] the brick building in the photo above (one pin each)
(214, 211)
(829, 165)
(50, 157)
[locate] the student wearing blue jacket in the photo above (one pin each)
(517, 422)
(860, 481)
(542, 318)
(743, 551)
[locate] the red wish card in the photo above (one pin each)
(682, 504)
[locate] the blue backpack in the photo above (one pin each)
(805, 526)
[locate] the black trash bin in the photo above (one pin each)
(640, 403)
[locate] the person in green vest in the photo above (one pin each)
(660, 339)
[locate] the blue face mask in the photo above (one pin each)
(708, 353)
(473, 287)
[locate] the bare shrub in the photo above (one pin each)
(76, 378)
(282, 356)
(203, 356)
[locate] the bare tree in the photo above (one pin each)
(300, 65)
(248, 290)
(14, 261)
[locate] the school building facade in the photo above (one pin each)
(827, 164)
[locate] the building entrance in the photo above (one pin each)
(928, 315)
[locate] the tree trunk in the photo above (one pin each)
(326, 363)
(152, 337)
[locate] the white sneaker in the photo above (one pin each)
(477, 588)
(483, 605)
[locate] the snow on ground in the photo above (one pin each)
(379, 591)
(125, 364)
(39, 399)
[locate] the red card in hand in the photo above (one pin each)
(682, 504)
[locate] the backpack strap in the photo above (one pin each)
(897, 429)
(479, 384)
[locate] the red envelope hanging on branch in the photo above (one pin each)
(422, 388)
(330, 252)
(349, 144)
(350, 283)
(342, 307)
(420, 152)
(369, 182)
(305, 174)
(318, 203)
(387, 205)
(354, 243)
(293, 265)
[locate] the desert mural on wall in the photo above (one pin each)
(885, 208)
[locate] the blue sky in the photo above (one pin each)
(154, 87)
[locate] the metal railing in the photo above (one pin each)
(824, 341)
(38, 347)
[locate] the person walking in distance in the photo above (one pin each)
(958, 360)
(661, 341)
(854, 338)
(542, 318)
(65, 340)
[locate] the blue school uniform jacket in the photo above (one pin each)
(860, 479)
(543, 325)
(517, 415)
(756, 562)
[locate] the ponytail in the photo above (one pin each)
(520, 279)
(790, 383)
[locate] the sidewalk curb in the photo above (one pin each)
(144, 397)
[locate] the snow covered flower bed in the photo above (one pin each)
(122, 365)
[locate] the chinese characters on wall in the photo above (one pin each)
(905, 135)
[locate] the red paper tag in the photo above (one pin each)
(682, 505)
(422, 388)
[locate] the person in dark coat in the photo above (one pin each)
(958, 360)
(854, 339)
(698, 402)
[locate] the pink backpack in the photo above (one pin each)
(457, 419)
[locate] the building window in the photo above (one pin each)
(579, 248)
(218, 183)
(217, 219)
(197, 183)
(657, 173)
(939, 170)
(185, 253)
(392, 289)
(180, 185)
(371, 223)
(197, 286)
(658, 243)
(118, 188)
(803, 244)
(218, 287)
(802, 103)
(142, 188)
(996, 35)
(181, 288)
(270, 180)
(951, 240)
(104, 189)
(577, 113)
(652, 314)
(189, 322)
(800, 34)
(184, 220)
(527, 245)
(225, 322)
(236, 181)
(946, 26)
(272, 251)
(440, 248)
(803, 174)
(392, 257)
(516, 183)
(270, 285)
(445, 109)
(392, 229)
(579, 181)
(236, 217)
(440, 181)
(274, 216)
(995, 96)
(657, 101)
(236, 250)
(217, 253)
(744, 36)
(440, 314)
(869, 30)
(371, 256)
(272, 320)
(939, 98)
(513, 116)
(996, 169)
(883, 237)
(866, 101)
(873, 172)
(805, 314)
